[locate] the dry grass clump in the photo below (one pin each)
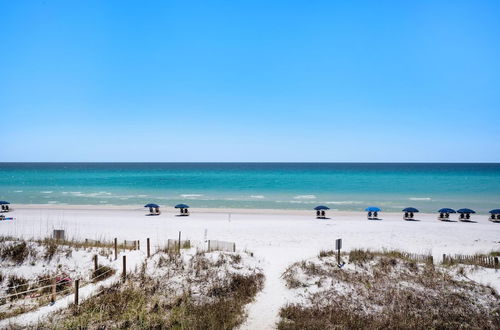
(386, 290)
(169, 291)
(15, 251)
(102, 273)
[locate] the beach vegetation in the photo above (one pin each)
(385, 290)
(169, 291)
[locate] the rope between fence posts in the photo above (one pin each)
(27, 291)
(109, 270)
(37, 281)
(31, 290)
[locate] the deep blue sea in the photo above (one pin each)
(301, 186)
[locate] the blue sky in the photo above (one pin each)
(250, 81)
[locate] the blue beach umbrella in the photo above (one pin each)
(182, 206)
(321, 207)
(466, 211)
(372, 209)
(410, 209)
(4, 203)
(447, 210)
(495, 211)
(153, 205)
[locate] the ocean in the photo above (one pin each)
(298, 186)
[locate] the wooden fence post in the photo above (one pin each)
(138, 244)
(444, 258)
(95, 262)
(234, 247)
(496, 262)
(124, 271)
(148, 247)
(116, 248)
(208, 246)
(53, 297)
(179, 242)
(77, 287)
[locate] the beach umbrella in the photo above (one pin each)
(153, 205)
(321, 207)
(447, 210)
(466, 211)
(182, 206)
(495, 211)
(372, 209)
(410, 209)
(4, 203)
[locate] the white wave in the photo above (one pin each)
(257, 196)
(94, 195)
(47, 192)
(344, 202)
(305, 197)
(420, 198)
(18, 191)
(191, 195)
(142, 195)
(53, 202)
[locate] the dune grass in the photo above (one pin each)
(385, 290)
(169, 292)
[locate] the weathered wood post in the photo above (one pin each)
(444, 258)
(496, 263)
(148, 247)
(95, 262)
(53, 297)
(138, 244)
(208, 246)
(77, 287)
(116, 248)
(234, 247)
(179, 242)
(124, 271)
(338, 246)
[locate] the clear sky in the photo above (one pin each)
(250, 80)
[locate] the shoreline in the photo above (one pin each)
(172, 210)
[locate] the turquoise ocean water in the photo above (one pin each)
(301, 186)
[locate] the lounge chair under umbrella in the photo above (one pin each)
(373, 212)
(409, 213)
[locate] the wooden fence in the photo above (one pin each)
(214, 245)
(477, 260)
(418, 257)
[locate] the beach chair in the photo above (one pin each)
(498, 217)
(151, 211)
(3, 207)
(467, 216)
(375, 215)
(369, 216)
(318, 214)
(441, 217)
(7, 208)
(323, 215)
(157, 211)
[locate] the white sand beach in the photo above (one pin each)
(278, 238)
